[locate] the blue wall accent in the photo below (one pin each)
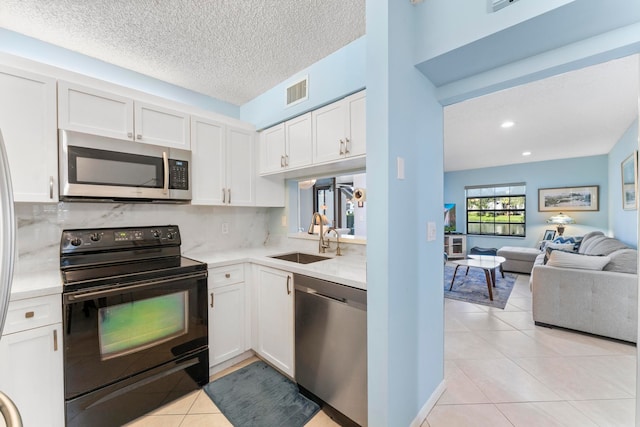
(623, 224)
(404, 271)
(339, 74)
(36, 50)
(578, 171)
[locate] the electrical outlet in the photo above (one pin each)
(225, 228)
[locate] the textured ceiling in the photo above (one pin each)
(580, 113)
(230, 50)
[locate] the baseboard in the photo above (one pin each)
(231, 362)
(429, 404)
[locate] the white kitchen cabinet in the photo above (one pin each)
(31, 372)
(223, 164)
(275, 322)
(287, 145)
(92, 111)
(227, 314)
(339, 129)
(28, 125)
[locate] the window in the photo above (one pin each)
(496, 210)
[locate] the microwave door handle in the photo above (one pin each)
(165, 162)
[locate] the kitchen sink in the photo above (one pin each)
(300, 258)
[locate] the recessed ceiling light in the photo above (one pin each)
(526, 153)
(507, 124)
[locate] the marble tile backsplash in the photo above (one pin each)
(40, 225)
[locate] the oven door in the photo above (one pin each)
(112, 334)
(106, 168)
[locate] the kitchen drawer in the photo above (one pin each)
(33, 313)
(222, 276)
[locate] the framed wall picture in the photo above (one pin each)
(564, 199)
(549, 234)
(629, 171)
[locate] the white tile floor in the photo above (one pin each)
(501, 370)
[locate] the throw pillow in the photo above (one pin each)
(572, 260)
(555, 247)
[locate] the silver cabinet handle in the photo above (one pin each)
(51, 187)
(139, 136)
(286, 160)
(281, 161)
(288, 285)
(229, 191)
(165, 162)
(346, 145)
(55, 340)
(224, 196)
(341, 150)
(211, 299)
(129, 134)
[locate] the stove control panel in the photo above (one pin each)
(90, 240)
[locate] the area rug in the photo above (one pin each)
(473, 287)
(257, 395)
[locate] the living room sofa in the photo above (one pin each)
(594, 290)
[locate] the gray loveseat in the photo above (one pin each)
(568, 293)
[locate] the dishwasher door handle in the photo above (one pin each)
(337, 299)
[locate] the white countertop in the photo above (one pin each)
(350, 270)
(36, 281)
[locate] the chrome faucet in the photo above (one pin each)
(338, 251)
(322, 246)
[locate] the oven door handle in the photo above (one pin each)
(119, 290)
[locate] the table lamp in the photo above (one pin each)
(561, 220)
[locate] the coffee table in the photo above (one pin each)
(488, 263)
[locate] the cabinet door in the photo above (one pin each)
(161, 126)
(275, 318)
(272, 149)
(240, 167)
(329, 132)
(208, 162)
(226, 323)
(28, 125)
(357, 122)
(92, 111)
(31, 374)
(299, 142)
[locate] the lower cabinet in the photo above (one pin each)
(275, 322)
(229, 313)
(31, 372)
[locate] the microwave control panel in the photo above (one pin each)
(178, 174)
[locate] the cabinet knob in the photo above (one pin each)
(129, 134)
(138, 136)
(227, 275)
(29, 314)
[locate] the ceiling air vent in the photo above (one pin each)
(496, 5)
(297, 92)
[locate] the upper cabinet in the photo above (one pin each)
(92, 111)
(28, 125)
(331, 134)
(339, 129)
(287, 145)
(223, 164)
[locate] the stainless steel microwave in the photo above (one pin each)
(97, 168)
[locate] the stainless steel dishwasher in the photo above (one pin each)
(331, 344)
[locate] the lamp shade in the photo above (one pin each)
(561, 219)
